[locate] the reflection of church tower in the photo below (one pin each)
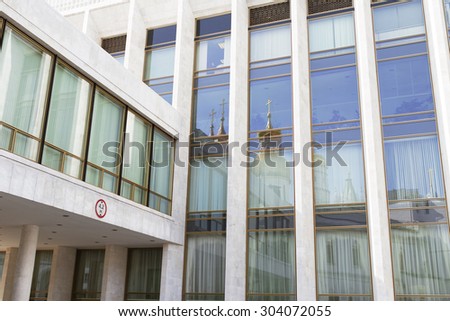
(272, 175)
(349, 195)
(321, 191)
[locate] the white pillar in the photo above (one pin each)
(61, 274)
(377, 207)
(303, 173)
(114, 273)
(26, 255)
(172, 265)
(440, 70)
(89, 27)
(136, 37)
(7, 281)
(235, 270)
(171, 273)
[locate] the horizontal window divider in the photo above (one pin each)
(340, 129)
(341, 213)
(333, 68)
(286, 229)
(356, 120)
(378, 42)
(270, 130)
(418, 208)
(347, 142)
(270, 66)
(271, 215)
(412, 121)
(160, 83)
(162, 45)
(211, 69)
(214, 35)
(204, 293)
(341, 227)
(190, 219)
(134, 184)
(423, 296)
(212, 86)
(431, 111)
(269, 150)
(417, 200)
(269, 25)
(333, 55)
(208, 232)
(103, 169)
(270, 294)
(345, 295)
(418, 224)
(270, 77)
(390, 138)
(15, 129)
(403, 57)
(64, 152)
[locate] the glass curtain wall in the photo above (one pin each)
(67, 122)
(25, 70)
(83, 127)
(41, 276)
(418, 212)
(342, 248)
(270, 226)
(159, 60)
(206, 219)
(135, 167)
(144, 274)
(447, 15)
(87, 285)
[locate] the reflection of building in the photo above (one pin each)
(136, 251)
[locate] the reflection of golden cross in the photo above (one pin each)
(223, 107)
(212, 114)
(269, 104)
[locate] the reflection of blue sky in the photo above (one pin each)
(335, 95)
(405, 85)
(207, 99)
(279, 91)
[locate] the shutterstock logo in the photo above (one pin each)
(266, 152)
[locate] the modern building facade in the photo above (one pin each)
(224, 150)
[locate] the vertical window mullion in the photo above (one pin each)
(122, 149)
(88, 131)
(151, 135)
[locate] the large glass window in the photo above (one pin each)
(447, 15)
(2, 263)
(24, 75)
(160, 197)
(271, 244)
(135, 159)
(105, 143)
(206, 219)
(41, 275)
(144, 274)
(342, 248)
(159, 61)
(418, 212)
(67, 121)
(88, 279)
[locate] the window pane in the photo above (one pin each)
(400, 20)
(331, 33)
(334, 95)
(271, 263)
(24, 74)
(41, 275)
(135, 156)
(208, 179)
(213, 53)
(270, 43)
(88, 275)
(405, 85)
(162, 165)
(421, 259)
(208, 102)
(159, 63)
(105, 133)
(205, 267)
(68, 111)
(413, 168)
(161, 35)
(213, 25)
(279, 92)
(144, 274)
(339, 181)
(2, 262)
(343, 264)
(271, 181)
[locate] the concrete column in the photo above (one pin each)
(9, 267)
(61, 274)
(377, 207)
(89, 27)
(304, 202)
(235, 270)
(171, 272)
(114, 273)
(26, 255)
(172, 265)
(440, 71)
(136, 37)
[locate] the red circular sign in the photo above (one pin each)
(101, 208)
